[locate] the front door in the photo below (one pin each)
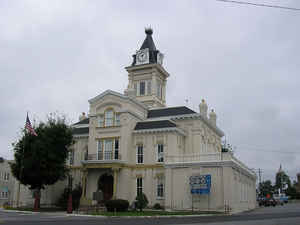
(105, 184)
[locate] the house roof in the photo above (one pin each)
(173, 111)
(85, 121)
(79, 131)
(154, 125)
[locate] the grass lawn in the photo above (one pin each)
(154, 213)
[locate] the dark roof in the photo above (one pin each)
(83, 130)
(148, 42)
(154, 125)
(85, 121)
(173, 111)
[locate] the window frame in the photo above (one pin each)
(160, 153)
(140, 154)
(160, 187)
(139, 185)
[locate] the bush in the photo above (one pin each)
(141, 201)
(76, 194)
(118, 205)
(157, 206)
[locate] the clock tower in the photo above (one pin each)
(147, 78)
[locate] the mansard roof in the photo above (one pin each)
(79, 131)
(85, 121)
(172, 111)
(154, 125)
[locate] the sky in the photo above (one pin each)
(243, 60)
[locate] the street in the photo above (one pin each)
(279, 215)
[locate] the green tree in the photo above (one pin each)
(141, 201)
(266, 188)
(282, 181)
(41, 160)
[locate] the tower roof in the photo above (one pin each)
(148, 42)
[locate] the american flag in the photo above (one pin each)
(29, 127)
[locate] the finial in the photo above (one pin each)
(148, 31)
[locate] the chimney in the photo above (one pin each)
(82, 116)
(213, 118)
(203, 108)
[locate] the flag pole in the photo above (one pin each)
(21, 165)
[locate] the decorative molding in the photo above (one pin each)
(160, 130)
(110, 92)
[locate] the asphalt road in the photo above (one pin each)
(281, 215)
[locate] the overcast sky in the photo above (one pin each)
(243, 60)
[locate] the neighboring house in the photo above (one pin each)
(6, 182)
(132, 143)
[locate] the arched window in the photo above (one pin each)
(109, 118)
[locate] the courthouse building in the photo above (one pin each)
(132, 142)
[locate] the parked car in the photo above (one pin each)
(267, 202)
(270, 202)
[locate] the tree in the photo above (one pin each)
(41, 160)
(282, 180)
(141, 201)
(266, 188)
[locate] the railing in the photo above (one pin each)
(208, 157)
(106, 156)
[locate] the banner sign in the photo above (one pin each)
(200, 184)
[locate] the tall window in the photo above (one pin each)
(108, 146)
(159, 89)
(160, 153)
(100, 150)
(71, 156)
(108, 149)
(101, 121)
(116, 149)
(149, 87)
(117, 119)
(160, 187)
(109, 118)
(142, 88)
(139, 185)
(140, 154)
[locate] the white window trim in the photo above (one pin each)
(157, 154)
(137, 154)
(160, 178)
(136, 183)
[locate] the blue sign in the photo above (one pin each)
(200, 184)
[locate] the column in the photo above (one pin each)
(115, 171)
(84, 179)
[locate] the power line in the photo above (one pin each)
(260, 5)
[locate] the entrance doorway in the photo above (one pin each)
(105, 184)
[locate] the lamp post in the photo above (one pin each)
(70, 208)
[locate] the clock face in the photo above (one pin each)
(142, 57)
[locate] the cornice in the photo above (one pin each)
(160, 130)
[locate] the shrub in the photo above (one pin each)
(118, 205)
(141, 201)
(157, 206)
(76, 194)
